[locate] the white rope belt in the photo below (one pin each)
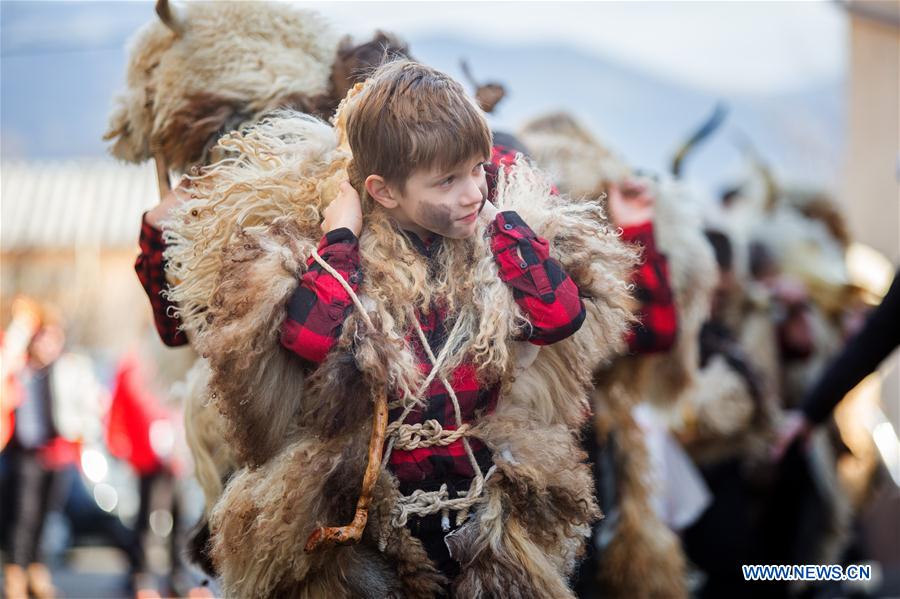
(427, 434)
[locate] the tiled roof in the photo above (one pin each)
(63, 205)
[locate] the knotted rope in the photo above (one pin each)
(430, 433)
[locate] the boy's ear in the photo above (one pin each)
(380, 191)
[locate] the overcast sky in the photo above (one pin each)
(640, 73)
(727, 47)
(754, 47)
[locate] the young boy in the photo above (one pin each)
(419, 147)
(312, 327)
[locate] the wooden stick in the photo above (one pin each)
(352, 533)
(162, 175)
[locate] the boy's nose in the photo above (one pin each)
(473, 194)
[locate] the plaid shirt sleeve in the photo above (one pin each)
(151, 270)
(658, 325)
(320, 304)
(541, 287)
(501, 157)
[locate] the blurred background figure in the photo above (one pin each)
(143, 430)
(864, 351)
(36, 448)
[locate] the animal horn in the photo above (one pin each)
(705, 130)
(488, 95)
(164, 11)
(764, 170)
(162, 175)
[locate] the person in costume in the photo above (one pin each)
(860, 356)
(438, 193)
(522, 542)
(725, 424)
(198, 71)
(633, 552)
(799, 296)
(303, 433)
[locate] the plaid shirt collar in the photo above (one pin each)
(428, 247)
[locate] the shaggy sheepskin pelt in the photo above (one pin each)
(668, 380)
(212, 67)
(216, 65)
(300, 435)
(207, 68)
(643, 558)
(582, 167)
(640, 556)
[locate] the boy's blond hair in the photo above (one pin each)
(412, 117)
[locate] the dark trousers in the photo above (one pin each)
(157, 491)
(723, 538)
(32, 487)
(428, 530)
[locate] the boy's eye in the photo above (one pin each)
(479, 167)
(448, 180)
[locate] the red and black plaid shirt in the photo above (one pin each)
(540, 287)
(658, 324)
(151, 271)
(150, 265)
(658, 320)
(656, 333)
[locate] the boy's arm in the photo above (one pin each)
(151, 271)
(658, 321)
(541, 287)
(320, 304)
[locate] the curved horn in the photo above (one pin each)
(488, 95)
(765, 171)
(705, 130)
(164, 11)
(467, 73)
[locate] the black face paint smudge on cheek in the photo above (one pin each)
(436, 218)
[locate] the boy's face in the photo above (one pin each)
(446, 203)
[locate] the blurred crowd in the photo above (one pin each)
(106, 458)
(777, 316)
(775, 326)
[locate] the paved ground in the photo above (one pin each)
(100, 573)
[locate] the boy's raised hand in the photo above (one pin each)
(172, 198)
(344, 211)
(630, 203)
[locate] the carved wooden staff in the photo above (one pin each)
(352, 533)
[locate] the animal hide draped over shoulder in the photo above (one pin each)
(238, 250)
(693, 273)
(644, 558)
(204, 69)
(224, 64)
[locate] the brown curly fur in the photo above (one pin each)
(231, 63)
(644, 558)
(303, 435)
